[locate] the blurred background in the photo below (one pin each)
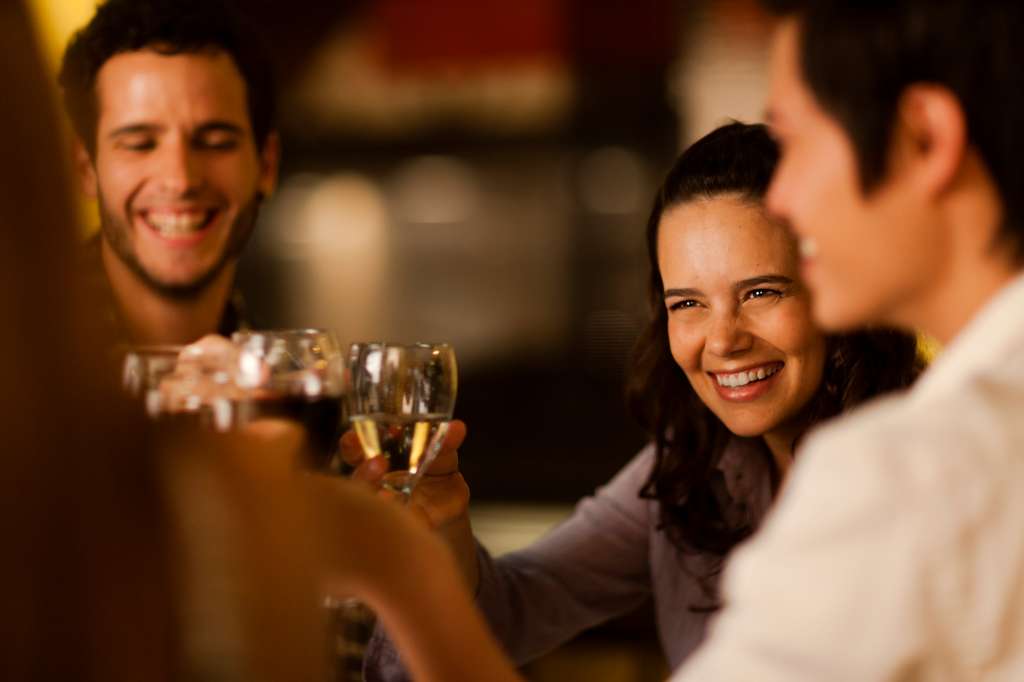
(480, 172)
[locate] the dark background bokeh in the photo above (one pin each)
(518, 237)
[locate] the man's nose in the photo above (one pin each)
(179, 169)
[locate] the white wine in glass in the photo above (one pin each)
(406, 441)
(401, 399)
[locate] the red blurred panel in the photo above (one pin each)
(420, 35)
(624, 33)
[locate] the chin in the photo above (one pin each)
(172, 281)
(182, 274)
(746, 428)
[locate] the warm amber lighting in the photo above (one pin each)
(56, 21)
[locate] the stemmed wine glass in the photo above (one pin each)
(294, 374)
(143, 368)
(400, 400)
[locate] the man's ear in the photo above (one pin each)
(85, 171)
(270, 159)
(930, 138)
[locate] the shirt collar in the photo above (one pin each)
(994, 336)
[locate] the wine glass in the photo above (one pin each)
(143, 368)
(294, 374)
(400, 401)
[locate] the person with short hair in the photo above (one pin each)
(172, 104)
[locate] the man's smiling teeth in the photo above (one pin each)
(744, 378)
(175, 223)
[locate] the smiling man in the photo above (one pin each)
(897, 549)
(172, 106)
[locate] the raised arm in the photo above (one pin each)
(380, 552)
(587, 570)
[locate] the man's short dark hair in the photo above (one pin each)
(168, 27)
(859, 56)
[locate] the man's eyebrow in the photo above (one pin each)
(133, 129)
(219, 127)
(208, 127)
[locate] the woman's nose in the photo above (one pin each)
(728, 335)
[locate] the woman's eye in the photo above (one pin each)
(763, 293)
(684, 303)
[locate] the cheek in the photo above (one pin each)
(237, 176)
(902, 251)
(122, 181)
(819, 187)
(685, 343)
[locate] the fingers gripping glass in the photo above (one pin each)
(143, 368)
(401, 399)
(292, 374)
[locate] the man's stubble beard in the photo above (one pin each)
(118, 236)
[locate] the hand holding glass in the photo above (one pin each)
(401, 399)
(143, 368)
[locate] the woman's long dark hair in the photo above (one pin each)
(735, 159)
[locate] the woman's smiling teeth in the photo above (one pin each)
(177, 223)
(746, 377)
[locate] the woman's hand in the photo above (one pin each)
(440, 498)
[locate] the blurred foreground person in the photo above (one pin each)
(86, 590)
(124, 560)
(172, 104)
(728, 376)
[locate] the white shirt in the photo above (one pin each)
(896, 551)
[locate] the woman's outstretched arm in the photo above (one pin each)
(378, 551)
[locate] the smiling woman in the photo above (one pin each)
(739, 321)
(731, 361)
